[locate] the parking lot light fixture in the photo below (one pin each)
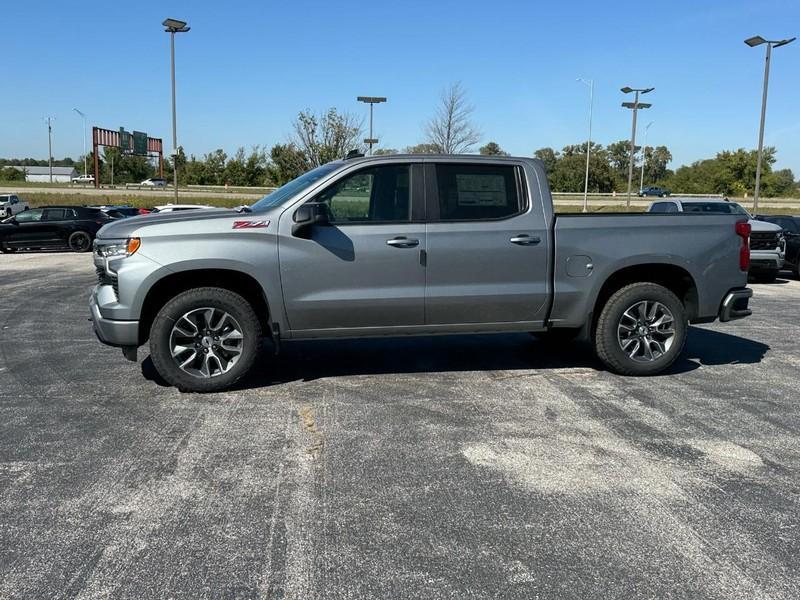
(753, 42)
(173, 26)
(635, 106)
(371, 100)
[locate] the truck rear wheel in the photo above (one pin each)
(641, 330)
(205, 339)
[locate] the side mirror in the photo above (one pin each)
(308, 215)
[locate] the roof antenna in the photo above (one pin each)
(354, 154)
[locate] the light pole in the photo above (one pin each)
(371, 100)
(753, 42)
(590, 83)
(85, 158)
(49, 121)
(644, 156)
(635, 106)
(174, 26)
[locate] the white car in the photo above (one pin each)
(178, 207)
(11, 204)
(83, 179)
(155, 182)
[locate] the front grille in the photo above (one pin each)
(105, 279)
(764, 240)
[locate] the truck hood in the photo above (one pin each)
(763, 226)
(125, 228)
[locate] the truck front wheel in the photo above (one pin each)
(204, 339)
(641, 330)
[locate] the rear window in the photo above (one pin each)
(664, 207)
(725, 208)
(477, 192)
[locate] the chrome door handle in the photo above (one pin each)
(525, 240)
(402, 242)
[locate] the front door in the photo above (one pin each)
(28, 229)
(364, 269)
(487, 246)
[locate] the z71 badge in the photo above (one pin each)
(249, 224)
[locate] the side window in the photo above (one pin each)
(54, 214)
(376, 194)
(477, 192)
(14, 199)
(30, 216)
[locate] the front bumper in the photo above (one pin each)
(112, 332)
(735, 305)
(766, 261)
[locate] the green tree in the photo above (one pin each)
(382, 151)
(11, 174)
(423, 148)
(548, 156)
(655, 168)
(492, 149)
(287, 162)
(327, 136)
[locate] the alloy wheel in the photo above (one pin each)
(646, 331)
(206, 342)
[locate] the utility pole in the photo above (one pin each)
(174, 26)
(371, 100)
(644, 156)
(635, 106)
(590, 83)
(49, 121)
(753, 42)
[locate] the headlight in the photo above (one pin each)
(117, 248)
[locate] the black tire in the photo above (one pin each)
(608, 346)
(7, 249)
(80, 241)
(205, 297)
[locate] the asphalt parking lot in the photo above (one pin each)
(463, 467)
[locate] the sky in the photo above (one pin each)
(247, 68)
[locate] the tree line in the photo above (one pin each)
(318, 138)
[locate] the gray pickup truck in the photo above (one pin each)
(417, 244)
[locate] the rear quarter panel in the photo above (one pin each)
(706, 246)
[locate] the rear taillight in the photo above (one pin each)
(743, 231)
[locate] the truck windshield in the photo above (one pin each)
(727, 208)
(294, 187)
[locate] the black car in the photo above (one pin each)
(119, 212)
(791, 232)
(654, 190)
(52, 227)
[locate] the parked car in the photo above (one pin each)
(178, 207)
(767, 243)
(83, 179)
(654, 190)
(791, 231)
(11, 204)
(155, 182)
(74, 227)
(438, 244)
(119, 212)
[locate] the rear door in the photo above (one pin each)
(487, 257)
(363, 270)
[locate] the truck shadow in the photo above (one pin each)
(310, 360)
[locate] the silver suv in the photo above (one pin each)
(767, 244)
